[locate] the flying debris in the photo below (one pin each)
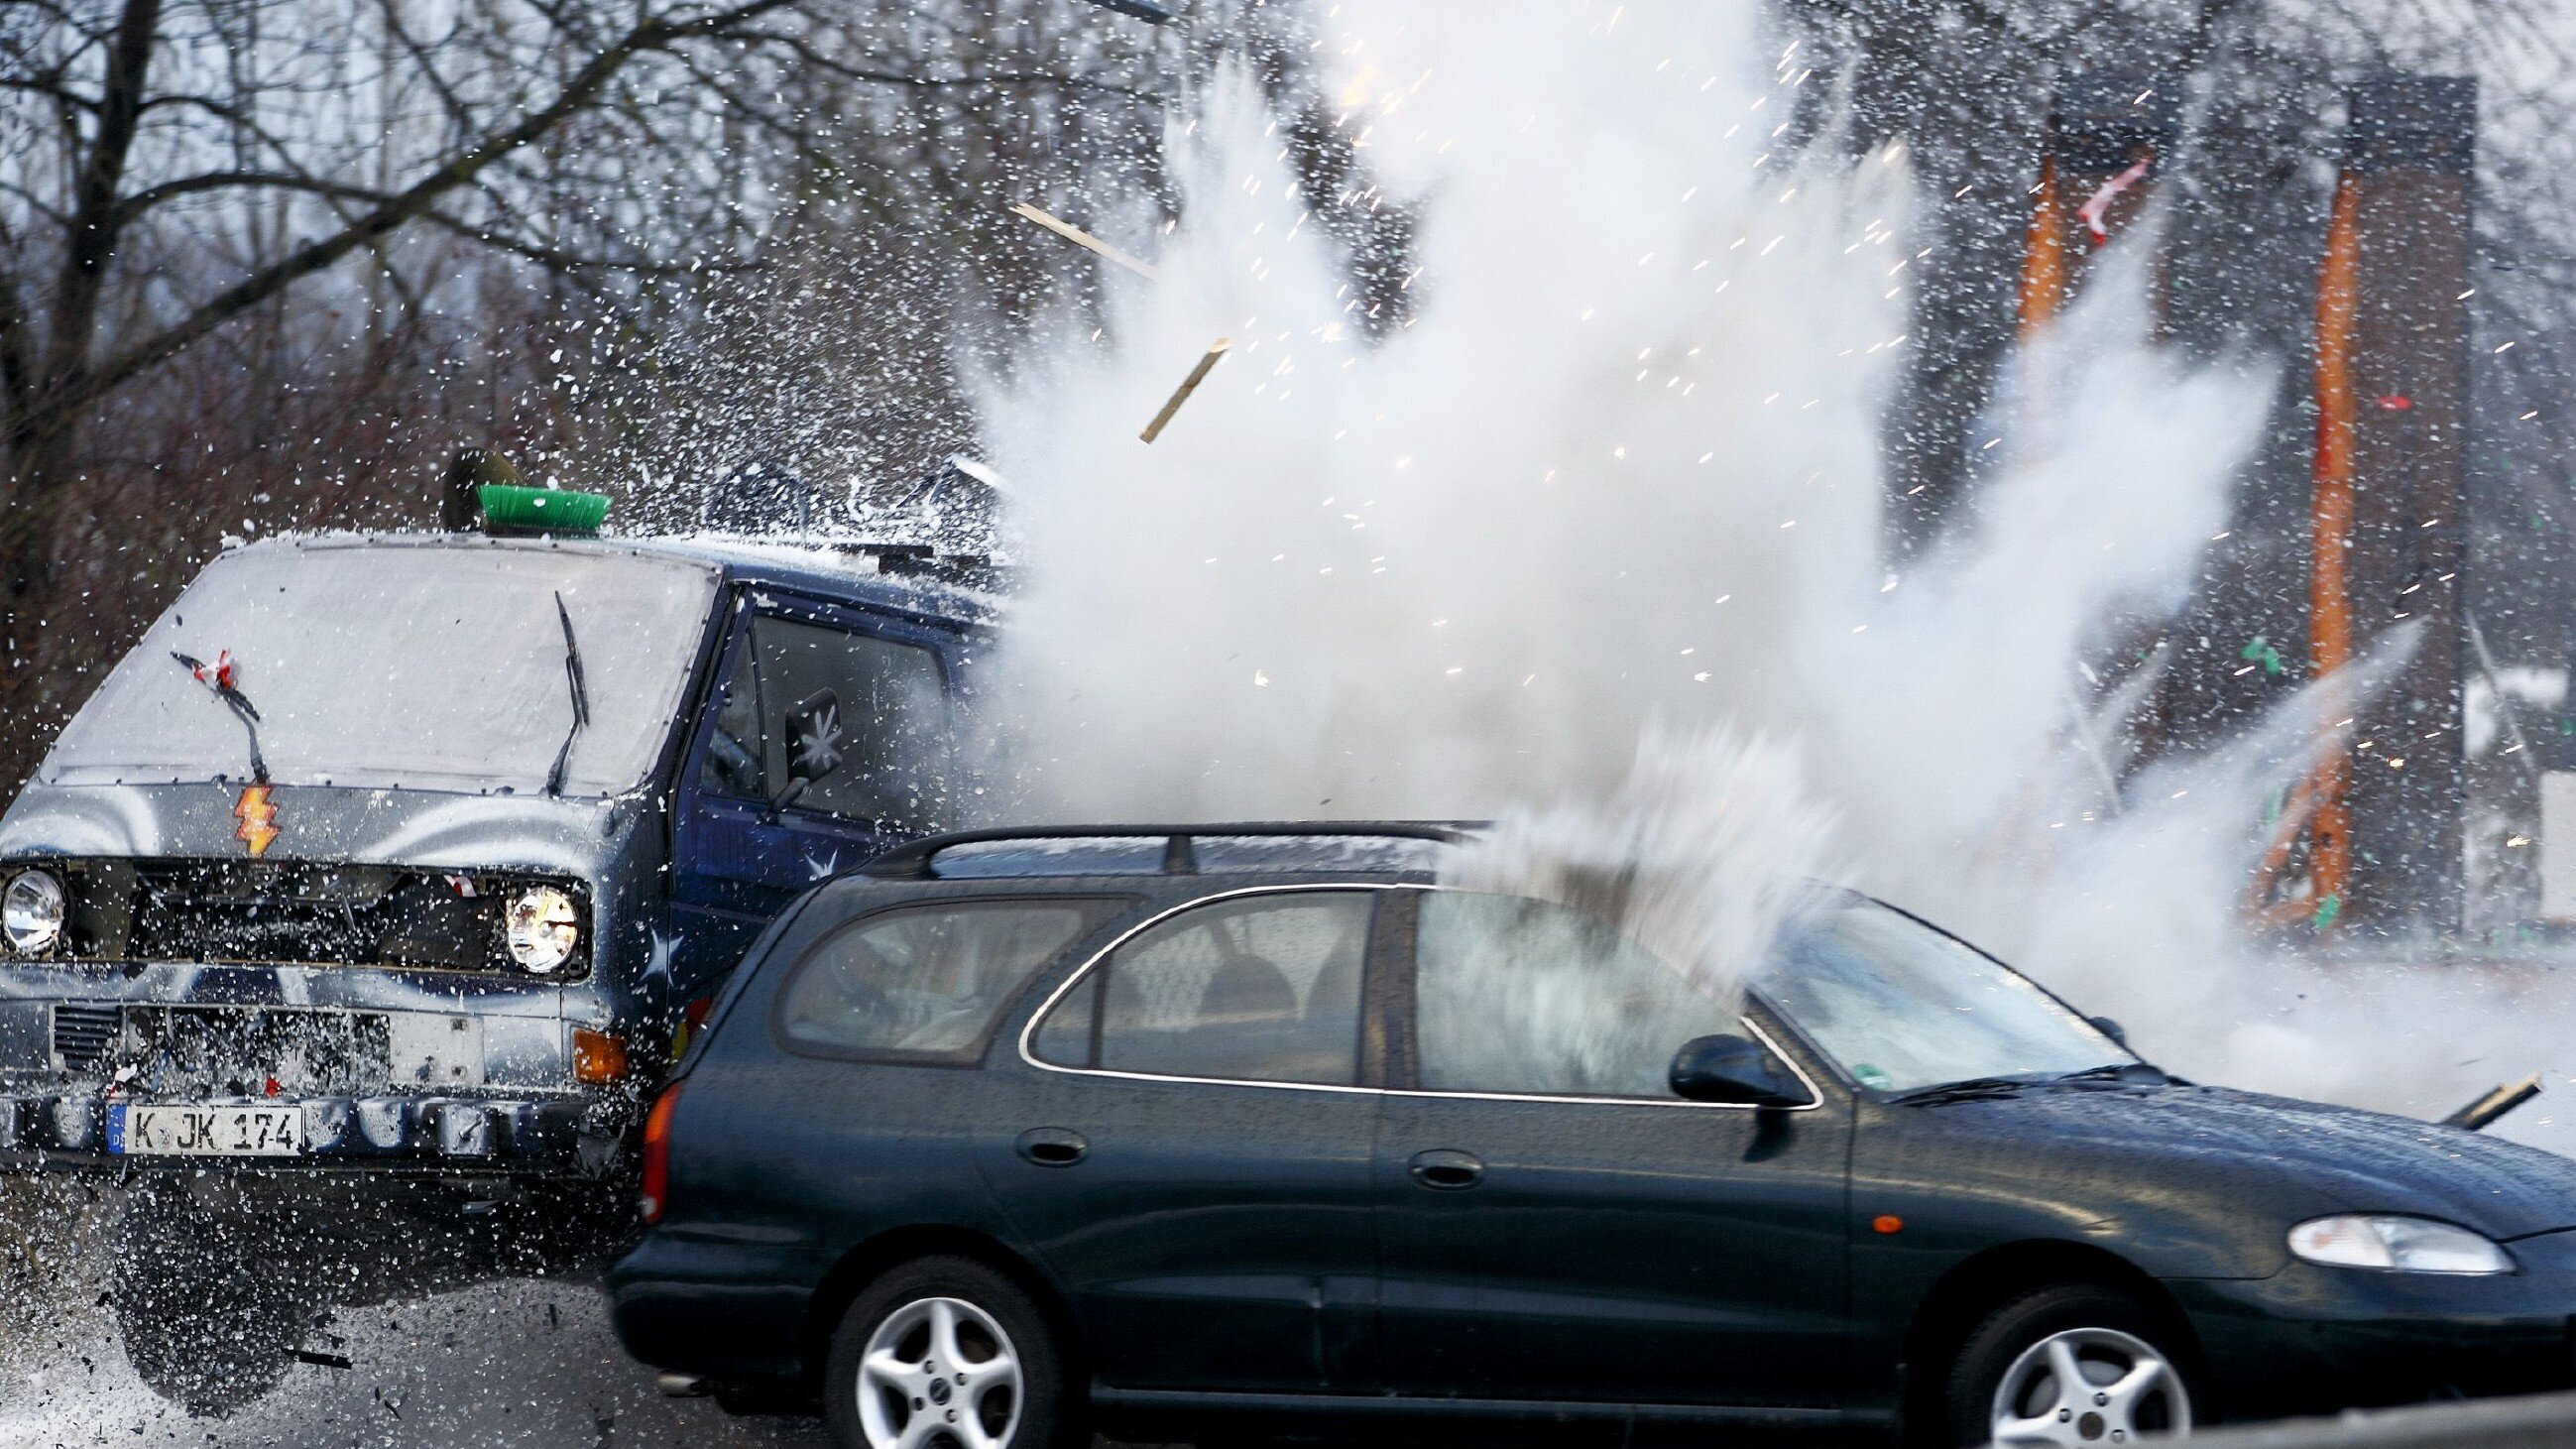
(1079, 237)
(1189, 384)
(2504, 1098)
(1145, 10)
(959, 465)
(2095, 212)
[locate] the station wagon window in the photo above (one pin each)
(926, 982)
(1523, 996)
(862, 721)
(1263, 989)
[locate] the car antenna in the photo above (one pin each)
(580, 698)
(218, 677)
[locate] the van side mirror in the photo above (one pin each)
(1730, 1069)
(813, 742)
(2118, 1034)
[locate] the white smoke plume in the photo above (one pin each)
(1621, 467)
(1711, 842)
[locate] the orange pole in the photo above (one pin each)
(2329, 594)
(2043, 257)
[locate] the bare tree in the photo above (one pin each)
(307, 226)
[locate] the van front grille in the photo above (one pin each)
(85, 1032)
(297, 913)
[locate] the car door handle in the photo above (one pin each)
(1053, 1146)
(1444, 1169)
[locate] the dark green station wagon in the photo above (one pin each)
(1018, 1132)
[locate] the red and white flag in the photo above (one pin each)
(2092, 212)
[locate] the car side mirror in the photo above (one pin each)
(1730, 1069)
(2118, 1034)
(813, 743)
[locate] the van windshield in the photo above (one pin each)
(431, 666)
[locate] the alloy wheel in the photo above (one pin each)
(2089, 1386)
(939, 1373)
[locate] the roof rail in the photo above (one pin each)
(912, 860)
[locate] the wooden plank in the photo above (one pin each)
(1189, 384)
(1079, 237)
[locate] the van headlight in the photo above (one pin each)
(2396, 1244)
(31, 912)
(542, 926)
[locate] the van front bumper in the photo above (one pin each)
(389, 1070)
(516, 1134)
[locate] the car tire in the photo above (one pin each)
(2138, 1373)
(948, 1320)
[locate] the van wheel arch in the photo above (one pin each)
(1985, 1282)
(864, 1263)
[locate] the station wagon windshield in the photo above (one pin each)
(1901, 1006)
(434, 667)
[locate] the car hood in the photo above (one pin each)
(421, 828)
(2303, 1158)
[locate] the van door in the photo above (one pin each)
(830, 739)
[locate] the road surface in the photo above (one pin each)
(399, 1338)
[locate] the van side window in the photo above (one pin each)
(1518, 995)
(926, 982)
(733, 760)
(833, 721)
(1261, 989)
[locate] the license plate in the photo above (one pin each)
(186, 1131)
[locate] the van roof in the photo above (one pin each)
(902, 578)
(901, 575)
(1267, 846)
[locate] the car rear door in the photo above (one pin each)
(835, 1097)
(1553, 1222)
(1190, 1160)
(829, 740)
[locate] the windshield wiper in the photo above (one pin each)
(580, 699)
(1969, 1089)
(1988, 1088)
(2127, 1074)
(219, 678)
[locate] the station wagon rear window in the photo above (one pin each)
(927, 982)
(1260, 989)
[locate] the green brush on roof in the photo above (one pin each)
(510, 508)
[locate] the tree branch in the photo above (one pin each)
(805, 52)
(152, 196)
(447, 97)
(17, 360)
(659, 33)
(91, 240)
(557, 259)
